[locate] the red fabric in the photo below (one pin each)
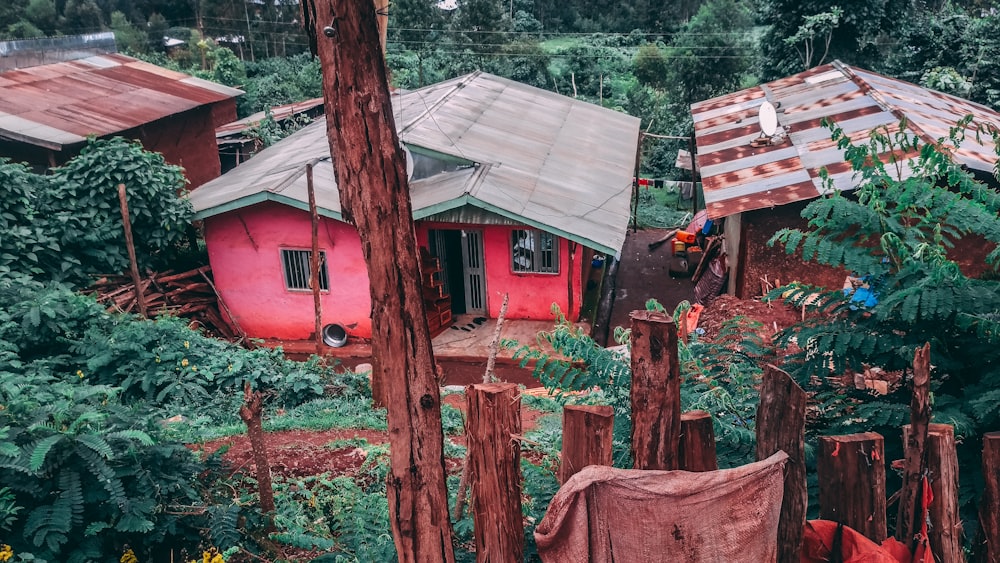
(818, 540)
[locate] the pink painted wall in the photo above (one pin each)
(244, 251)
(246, 262)
(531, 295)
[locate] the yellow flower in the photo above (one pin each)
(129, 557)
(157, 359)
(194, 368)
(6, 552)
(187, 344)
(80, 373)
(184, 362)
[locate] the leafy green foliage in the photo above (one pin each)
(899, 230)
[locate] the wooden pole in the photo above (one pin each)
(491, 360)
(588, 434)
(989, 506)
(375, 197)
(851, 475)
(314, 261)
(697, 449)
(140, 299)
(944, 531)
(781, 425)
(252, 412)
(910, 513)
(494, 416)
(656, 391)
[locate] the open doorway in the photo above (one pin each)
(460, 252)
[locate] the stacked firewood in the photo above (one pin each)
(191, 295)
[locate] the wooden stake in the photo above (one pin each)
(588, 434)
(252, 413)
(910, 513)
(656, 392)
(697, 449)
(491, 360)
(314, 261)
(130, 247)
(375, 197)
(851, 475)
(781, 425)
(945, 526)
(494, 416)
(989, 506)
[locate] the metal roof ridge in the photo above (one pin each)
(433, 107)
(874, 93)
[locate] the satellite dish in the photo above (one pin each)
(768, 119)
(409, 161)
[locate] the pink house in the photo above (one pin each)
(514, 190)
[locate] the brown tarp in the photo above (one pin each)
(605, 515)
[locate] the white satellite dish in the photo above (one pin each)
(409, 161)
(768, 119)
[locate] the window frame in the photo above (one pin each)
(324, 272)
(536, 239)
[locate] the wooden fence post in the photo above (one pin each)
(656, 392)
(910, 513)
(851, 475)
(697, 450)
(133, 263)
(493, 419)
(781, 425)
(587, 438)
(945, 530)
(989, 506)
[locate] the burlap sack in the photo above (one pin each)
(605, 515)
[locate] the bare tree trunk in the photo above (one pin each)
(252, 412)
(375, 197)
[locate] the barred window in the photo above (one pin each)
(295, 265)
(534, 251)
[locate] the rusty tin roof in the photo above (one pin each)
(60, 104)
(738, 176)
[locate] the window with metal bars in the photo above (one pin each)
(534, 252)
(295, 266)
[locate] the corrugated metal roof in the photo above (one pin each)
(278, 113)
(61, 104)
(739, 177)
(542, 159)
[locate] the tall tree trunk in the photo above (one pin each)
(374, 196)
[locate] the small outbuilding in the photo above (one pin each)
(758, 182)
(514, 191)
(56, 92)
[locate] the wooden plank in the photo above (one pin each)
(851, 475)
(494, 418)
(697, 448)
(587, 438)
(781, 424)
(910, 513)
(656, 392)
(130, 248)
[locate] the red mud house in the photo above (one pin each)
(759, 183)
(47, 109)
(514, 189)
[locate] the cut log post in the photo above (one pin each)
(252, 412)
(587, 438)
(944, 530)
(910, 512)
(697, 449)
(494, 416)
(656, 392)
(781, 426)
(851, 475)
(133, 266)
(989, 506)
